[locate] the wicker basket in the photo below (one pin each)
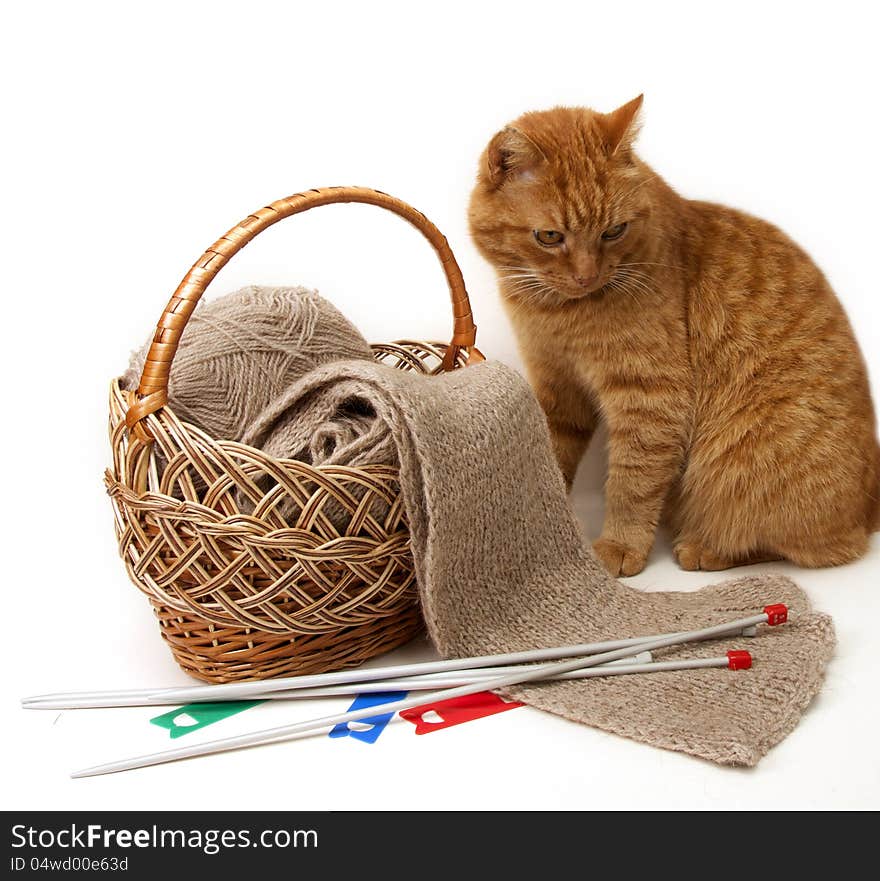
(247, 595)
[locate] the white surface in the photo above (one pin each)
(134, 137)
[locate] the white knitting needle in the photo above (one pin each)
(260, 689)
(430, 680)
(733, 660)
(70, 700)
(533, 674)
(239, 690)
(637, 664)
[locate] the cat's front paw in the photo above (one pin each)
(692, 556)
(619, 559)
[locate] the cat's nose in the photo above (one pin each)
(586, 281)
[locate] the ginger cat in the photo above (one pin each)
(735, 395)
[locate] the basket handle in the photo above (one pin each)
(152, 393)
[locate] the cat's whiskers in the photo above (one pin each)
(651, 263)
(530, 290)
(634, 273)
(631, 281)
(516, 272)
(524, 283)
(637, 282)
(529, 294)
(623, 289)
(536, 292)
(521, 277)
(615, 284)
(634, 286)
(517, 279)
(539, 295)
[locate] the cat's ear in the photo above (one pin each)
(622, 125)
(510, 153)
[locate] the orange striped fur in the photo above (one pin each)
(735, 395)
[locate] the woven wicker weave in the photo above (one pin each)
(245, 594)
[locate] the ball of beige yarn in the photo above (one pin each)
(242, 351)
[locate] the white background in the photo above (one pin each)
(135, 135)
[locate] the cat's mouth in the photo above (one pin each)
(610, 282)
(539, 288)
(573, 290)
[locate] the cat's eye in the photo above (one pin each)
(614, 232)
(549, 237)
